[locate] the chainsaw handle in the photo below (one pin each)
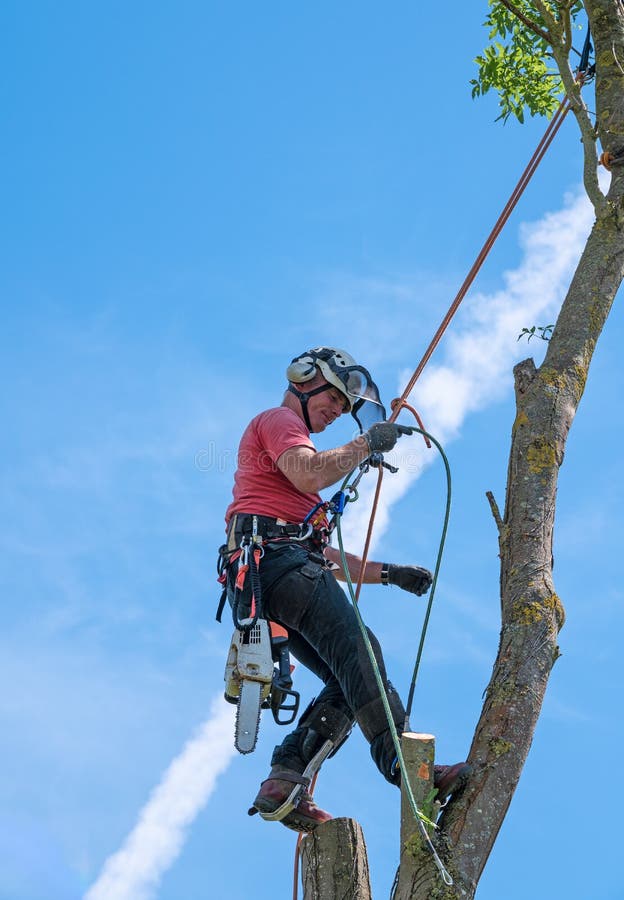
(281, 656)
(279, 705)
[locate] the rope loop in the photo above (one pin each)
(606, 159)
(400, 403)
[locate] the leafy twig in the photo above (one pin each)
(542, 331)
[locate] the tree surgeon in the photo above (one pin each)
(276, 486)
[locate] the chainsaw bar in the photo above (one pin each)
(248, 716)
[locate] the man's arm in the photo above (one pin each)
(311, 471)
(413, 579)
(372, 573)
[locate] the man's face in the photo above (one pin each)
(325, 407)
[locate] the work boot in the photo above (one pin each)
(450, 780)
(274, 792)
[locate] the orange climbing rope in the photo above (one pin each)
(552, 129)
(298, 845)
(401, 403)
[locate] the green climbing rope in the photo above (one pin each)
(421, 819)
(447, 513)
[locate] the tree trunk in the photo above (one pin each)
(334, 863)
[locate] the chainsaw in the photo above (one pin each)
(258, 676)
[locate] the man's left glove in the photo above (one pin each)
(414, 579)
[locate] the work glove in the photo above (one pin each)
(382, 436)
(414, 579)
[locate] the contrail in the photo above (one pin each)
(134, 871)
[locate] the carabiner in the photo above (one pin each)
(307, 533)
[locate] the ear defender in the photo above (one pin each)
(301, 369)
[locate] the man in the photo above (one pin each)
(278, 481)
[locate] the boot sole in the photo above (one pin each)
(305, 826)
(293, 820)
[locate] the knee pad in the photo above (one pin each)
(372, 717)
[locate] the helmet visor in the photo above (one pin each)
(363, 394)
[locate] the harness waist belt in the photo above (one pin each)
(268, 528)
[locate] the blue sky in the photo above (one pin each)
(192, 194)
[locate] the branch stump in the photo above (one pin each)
(334, 862)
(418, 753)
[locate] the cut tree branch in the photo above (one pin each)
(495, 512)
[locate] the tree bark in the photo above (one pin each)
(415, 871)
(334, 863)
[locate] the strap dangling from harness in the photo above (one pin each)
(222, 560)
(251, 552)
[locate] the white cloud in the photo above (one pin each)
(134, 871)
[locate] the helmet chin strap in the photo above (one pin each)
(304, 396)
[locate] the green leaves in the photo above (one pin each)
(517, 63)
(521, 80)
(543, 331)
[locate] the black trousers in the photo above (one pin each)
(301, 594)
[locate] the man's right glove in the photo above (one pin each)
(382, 436)
(414, 579)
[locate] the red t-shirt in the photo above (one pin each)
(259, 486)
